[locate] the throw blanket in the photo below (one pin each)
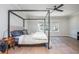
(3, 46)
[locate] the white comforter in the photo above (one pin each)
(36, 38)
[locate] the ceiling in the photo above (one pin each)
(69, 9)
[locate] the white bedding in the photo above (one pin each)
(36, 38)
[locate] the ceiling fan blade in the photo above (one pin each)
(59, 10)
(60, 6)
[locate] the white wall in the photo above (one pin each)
(15, 23)
(32, 26)
(4, 17)
(63, 26)
(74, 25)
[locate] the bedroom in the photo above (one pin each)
(63, 26)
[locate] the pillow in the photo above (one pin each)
(17, 33)
(25, 32)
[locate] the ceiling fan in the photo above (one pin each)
(56, 8)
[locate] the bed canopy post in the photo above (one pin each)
(23, 24)
(8, 23)
(44, 25)
(48, 29)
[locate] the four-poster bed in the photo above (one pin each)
(35, 36)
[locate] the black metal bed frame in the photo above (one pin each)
(12, 11)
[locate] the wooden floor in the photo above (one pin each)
(60, 45)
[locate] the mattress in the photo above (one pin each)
(36, 38)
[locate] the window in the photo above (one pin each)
(54, 27)
(41, 26)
